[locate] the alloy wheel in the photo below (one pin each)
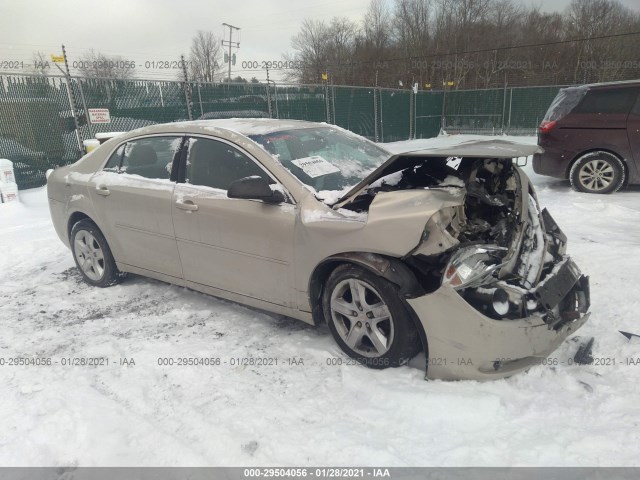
(89, 255)
(361, 318)
(596, 175)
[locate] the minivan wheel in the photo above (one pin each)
(368, 319)
(93, 256)
(597, 172)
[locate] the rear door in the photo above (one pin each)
(133, 197)
(235, 245)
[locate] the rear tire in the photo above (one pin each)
(93, 256)
(597, 172)
(367, 318)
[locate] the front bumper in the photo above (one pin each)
(463, 343)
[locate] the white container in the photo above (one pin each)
(9, 192)
(6, 171)
(91, 144)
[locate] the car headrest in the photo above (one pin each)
(142, 155)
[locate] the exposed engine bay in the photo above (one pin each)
(498, 250)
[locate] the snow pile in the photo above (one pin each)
(318, 413)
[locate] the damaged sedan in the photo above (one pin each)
(444, 251)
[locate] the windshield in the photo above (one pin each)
(324, 158)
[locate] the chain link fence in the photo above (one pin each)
(44, 119)
(37, 130)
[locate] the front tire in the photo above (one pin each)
(93, 256)
(597, 172)
(367, 318)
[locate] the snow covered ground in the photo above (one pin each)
(312, 414)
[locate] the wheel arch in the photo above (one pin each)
(389, 268)
(74, 218)
(78, 215)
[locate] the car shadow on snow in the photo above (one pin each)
(147, 297)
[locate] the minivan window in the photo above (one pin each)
(564, 102)
(607, 101)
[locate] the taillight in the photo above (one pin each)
(546, 126)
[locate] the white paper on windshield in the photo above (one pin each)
(315, 166)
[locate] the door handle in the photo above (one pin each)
(102, 190)
(186, 205)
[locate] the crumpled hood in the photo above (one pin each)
(480, 148)
(394, 224)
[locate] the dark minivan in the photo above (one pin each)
(591, 135)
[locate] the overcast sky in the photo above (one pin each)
(152, 30)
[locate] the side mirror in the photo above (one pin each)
(255, 188)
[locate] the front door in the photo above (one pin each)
(240, 246)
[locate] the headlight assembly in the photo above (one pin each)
(472, 266)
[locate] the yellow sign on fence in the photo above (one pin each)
(57, 58)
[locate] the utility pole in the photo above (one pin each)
(230, 44)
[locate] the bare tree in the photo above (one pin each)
(342, 42)
(474, 43)
(311, 46)
(592, 18)
(99, 65)
(206, 51)
(377, 26)
(412, 25)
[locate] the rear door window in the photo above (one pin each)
(150, 157)
(113, 165)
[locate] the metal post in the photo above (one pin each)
(84, 103)
(275, 91)
(269, 96)
(326, 100)
(411, 113)
(161, 97)
(443, 117)
(200, 100)
(415, 114)
(510, 102)
(504, 103)
(72, 102)
(375, 109)
(333, 102)
(187, 88)
(381, 118)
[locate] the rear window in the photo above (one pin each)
(607, 101)
(564, 102)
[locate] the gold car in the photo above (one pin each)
(443, 251)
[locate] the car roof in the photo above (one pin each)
(243, 126)
(621, 83)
